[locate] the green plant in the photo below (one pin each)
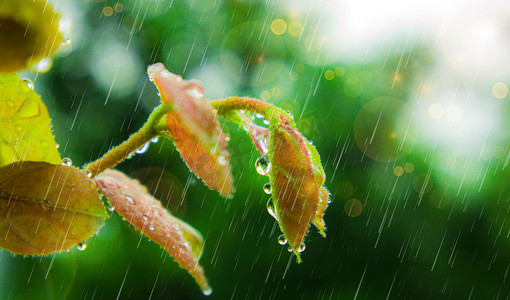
(48, 205)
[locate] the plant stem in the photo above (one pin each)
(225, 106)
(117, 154)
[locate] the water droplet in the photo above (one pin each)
(81, 246)
(155, 139)
(111, 208)
(258, 116)
(87, 173)
(267, 188)
(271, 209)
(282, 240)
(145, 218)
(227, 137)
(57, 146)
(151, 227)
(130, 199)
(266, 122)
(195, 93)
(29, 83)
(221, 160)
(302, 247)
(207, 291)
(142, 149)
(44, 65)
(289, 249)
(263, 166)
(66, 161)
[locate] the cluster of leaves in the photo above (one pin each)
(48, 205)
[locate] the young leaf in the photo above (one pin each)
(25, 132)
(195, 127)
(297, 179)
(46, 208)
(29, 31)
(132, 201)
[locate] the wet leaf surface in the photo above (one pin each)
(25, 132)
(46, 208)
(132, 201)
(195, 127)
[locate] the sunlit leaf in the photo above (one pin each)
(194, 125)
(46, 208)
(25, 132)
(132, 201)
(29, 31)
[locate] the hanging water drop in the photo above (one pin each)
(263, 166)
(151, 227)
(88, 173)
(130, 199)
(266, 122)
(302, 247)
(142, 149)
(282, 240)
(66, 161)
(29, 83)
(259, 116)
(111, 209)
(207, 291)
(271, 209)
(267, 188)
(227, 137)
(155, 139)
(81, 246)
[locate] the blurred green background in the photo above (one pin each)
(406, 104)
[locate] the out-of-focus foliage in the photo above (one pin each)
(430, 221)
(29, 32)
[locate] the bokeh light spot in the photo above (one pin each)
(422, 183)
(500, 90)
(345, 189)
(107, 11)
(398, 171)
(265, 95)
(339, 71)
(383, 129)
(329, 75)
(409, 167)
(353, 208)
(436, 110)
(295, 28)
(278, 26)
(118, 7)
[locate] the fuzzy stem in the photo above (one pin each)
(117, 154)
(225, 106)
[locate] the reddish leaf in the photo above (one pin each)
(194, 125)
(297, 179)
(46, 208)
(132, 201)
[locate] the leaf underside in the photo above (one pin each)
(46, 208)
(132, 201)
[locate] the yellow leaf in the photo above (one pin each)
(25, 132)
(132, 201)
(46, 208)
(28, 32)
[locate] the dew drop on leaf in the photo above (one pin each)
(81, 246)
(263, 166)
(155, 139)
(29, 83)
(302, 247)
(151, 227)
(271, 209)
(142, 149)
(282, 240)
(221, 160)
(267, 188)
(66, 161)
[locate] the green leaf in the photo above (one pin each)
(195, 128)
(47, 208)
(25, 132)
(29, 31)
(132, 201)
